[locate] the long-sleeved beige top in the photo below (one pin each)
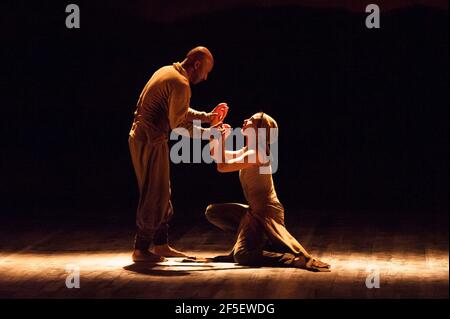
(164, 105)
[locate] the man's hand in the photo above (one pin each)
(218, 114)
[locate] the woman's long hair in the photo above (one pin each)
(266, 122)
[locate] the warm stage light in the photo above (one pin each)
(432, 266)
(113, 275)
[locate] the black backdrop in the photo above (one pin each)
(363, 114)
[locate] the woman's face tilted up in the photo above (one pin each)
(251, 129)
(248, 123)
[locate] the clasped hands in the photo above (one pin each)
(217, 116)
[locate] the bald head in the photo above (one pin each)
(198, 63)
(199, 54)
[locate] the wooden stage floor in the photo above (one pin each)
(410, 257)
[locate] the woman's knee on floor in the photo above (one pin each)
(247, 257)
(214, 215)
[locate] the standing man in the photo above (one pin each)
(162, 106)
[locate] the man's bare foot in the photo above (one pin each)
(167, 251)
(146, 256)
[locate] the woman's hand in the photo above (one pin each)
(223, 128)
(226, 131)
(219, 141)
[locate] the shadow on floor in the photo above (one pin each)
(149, 269)
(158, 269)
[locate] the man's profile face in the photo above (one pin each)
(201, 70)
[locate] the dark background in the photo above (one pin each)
(363, 114)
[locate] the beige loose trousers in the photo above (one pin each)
(151, 165)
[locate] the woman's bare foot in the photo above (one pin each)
(167, 251)
(299, 262)
(311, 264)
(317, 265)
(320, 264)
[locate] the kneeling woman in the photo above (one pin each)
(262, 238)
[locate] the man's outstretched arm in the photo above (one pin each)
(193, 114)
(217, 114)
